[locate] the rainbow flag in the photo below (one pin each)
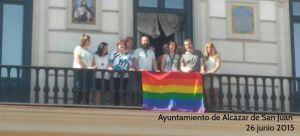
(173, 91)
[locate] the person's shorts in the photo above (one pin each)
(83, 78)
(98, 84)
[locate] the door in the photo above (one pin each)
(15, 49)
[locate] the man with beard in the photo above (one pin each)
(144, 58)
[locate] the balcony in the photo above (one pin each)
(53, 86)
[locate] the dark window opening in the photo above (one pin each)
(180, 8)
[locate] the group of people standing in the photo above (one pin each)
(126, 58)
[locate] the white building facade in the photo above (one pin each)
(53, 40)
(254, 37)
(269, 54)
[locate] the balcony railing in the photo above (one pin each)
(59, 86)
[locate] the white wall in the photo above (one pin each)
(269, 55)
(53, 42)
(62, 41)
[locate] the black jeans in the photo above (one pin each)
(83, 84)
(117, 87)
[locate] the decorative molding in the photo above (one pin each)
(109, 10)
(202, 13)
(79, 31)
(126, 18)
(284, 37)
(60, 52)
(241, 40)
(62, 8)
(251, 63)
(40, 33)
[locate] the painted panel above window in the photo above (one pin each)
(174, 4)
(296, 8)
(148, 3)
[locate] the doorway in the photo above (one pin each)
(15, 49)
(163, 21)
(158, 42)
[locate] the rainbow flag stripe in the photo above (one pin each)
(173, 91)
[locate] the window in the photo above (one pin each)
(297, 47)
(167, 4)
(12, 36)
(15, 47)
(148, 3)
(296, 8)
(174, 4)
(295, 36)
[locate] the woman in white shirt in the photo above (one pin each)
(101, 58)
(212, 65)
(83, 59)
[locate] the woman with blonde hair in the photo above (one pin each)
(212, 59)
(212, 64)
(83, 59)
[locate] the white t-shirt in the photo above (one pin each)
(210, 64)
(145, 58)
(86, 57)
(101, 63)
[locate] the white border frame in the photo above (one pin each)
(98, 24)
(252, 3)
